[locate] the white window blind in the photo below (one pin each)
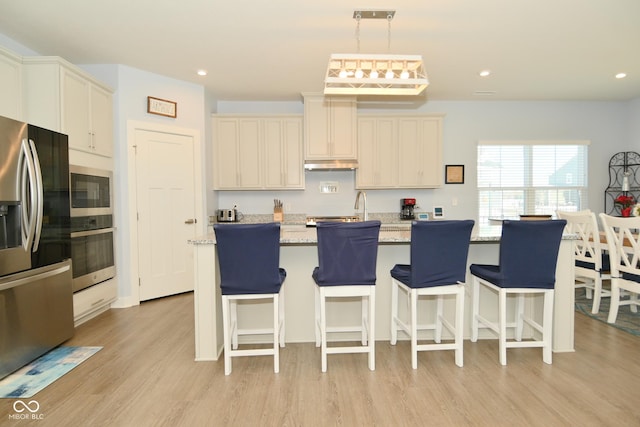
(530, 177)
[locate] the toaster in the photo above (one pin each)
(227, 215)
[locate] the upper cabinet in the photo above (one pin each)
(330, 127)
(10, 85)
(258, 152)
(399, 151)
(283, 153)
(61, 97)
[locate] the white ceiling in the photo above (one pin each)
(259, 50)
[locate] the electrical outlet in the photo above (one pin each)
(329, 186)
(454, 201)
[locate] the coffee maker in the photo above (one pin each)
(406, 208)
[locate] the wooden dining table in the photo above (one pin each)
(603, 239)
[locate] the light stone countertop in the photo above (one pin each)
(389, 234)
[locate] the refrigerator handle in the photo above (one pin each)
(28, 204)
(39, 196)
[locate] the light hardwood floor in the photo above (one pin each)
(146, 376)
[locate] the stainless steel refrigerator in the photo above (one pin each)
(36, 297)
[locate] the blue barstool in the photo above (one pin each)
(249, 257)
(347, 255)
(527, 265)
(439, 251)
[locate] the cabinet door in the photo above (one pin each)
(249, 154)
(420, 152)
(274, 153)
(283, 153)
(101, 121)
(378, 159)
(343, 128)
(293, 157)
(432, 171)
(226, 148)
(330, 128)
(76, 111)
(10, 86)
(316, 128)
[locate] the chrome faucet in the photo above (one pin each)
(364, 205)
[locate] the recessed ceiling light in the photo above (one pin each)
(202, 72)
(621, 75)
(485, 73)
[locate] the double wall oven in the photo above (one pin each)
(92, 231)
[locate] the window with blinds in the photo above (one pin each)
(530, 177)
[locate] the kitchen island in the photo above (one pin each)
(298, 255)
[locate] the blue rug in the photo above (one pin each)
(626, 320)
(30, 379)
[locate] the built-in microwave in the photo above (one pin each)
(90, 191)
(92, 229)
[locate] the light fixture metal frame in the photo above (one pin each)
(350, 84)
(351, 73)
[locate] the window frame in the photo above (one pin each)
(529, 190)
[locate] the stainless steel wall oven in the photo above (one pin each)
(92, 231)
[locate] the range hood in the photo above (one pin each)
(330, 165)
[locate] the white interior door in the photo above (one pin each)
(166, 212)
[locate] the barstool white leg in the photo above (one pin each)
(439, 314)
(323, 329)
(364, 304)
(519, 316)
(394, 312)
(475, 303)
(276, 334)
(459, 322)
(547, 327)
(413, 297)
(226, 319)
(502, 326)
(317, 309)
(372, 332)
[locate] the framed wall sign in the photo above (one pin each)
(454, 174)
(162, 107)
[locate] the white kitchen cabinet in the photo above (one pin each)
(330, 127)
(283, 153)
(399, 151)
(62, 97)
(94, 300)
(378, 148)
(238, 153)
(258, 152)
(10, 85)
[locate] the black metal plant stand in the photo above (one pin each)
(621, 164)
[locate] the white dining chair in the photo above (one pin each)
(624, 252)
(591, 259)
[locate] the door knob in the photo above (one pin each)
(191, 221)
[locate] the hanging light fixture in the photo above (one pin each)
(374, 74)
